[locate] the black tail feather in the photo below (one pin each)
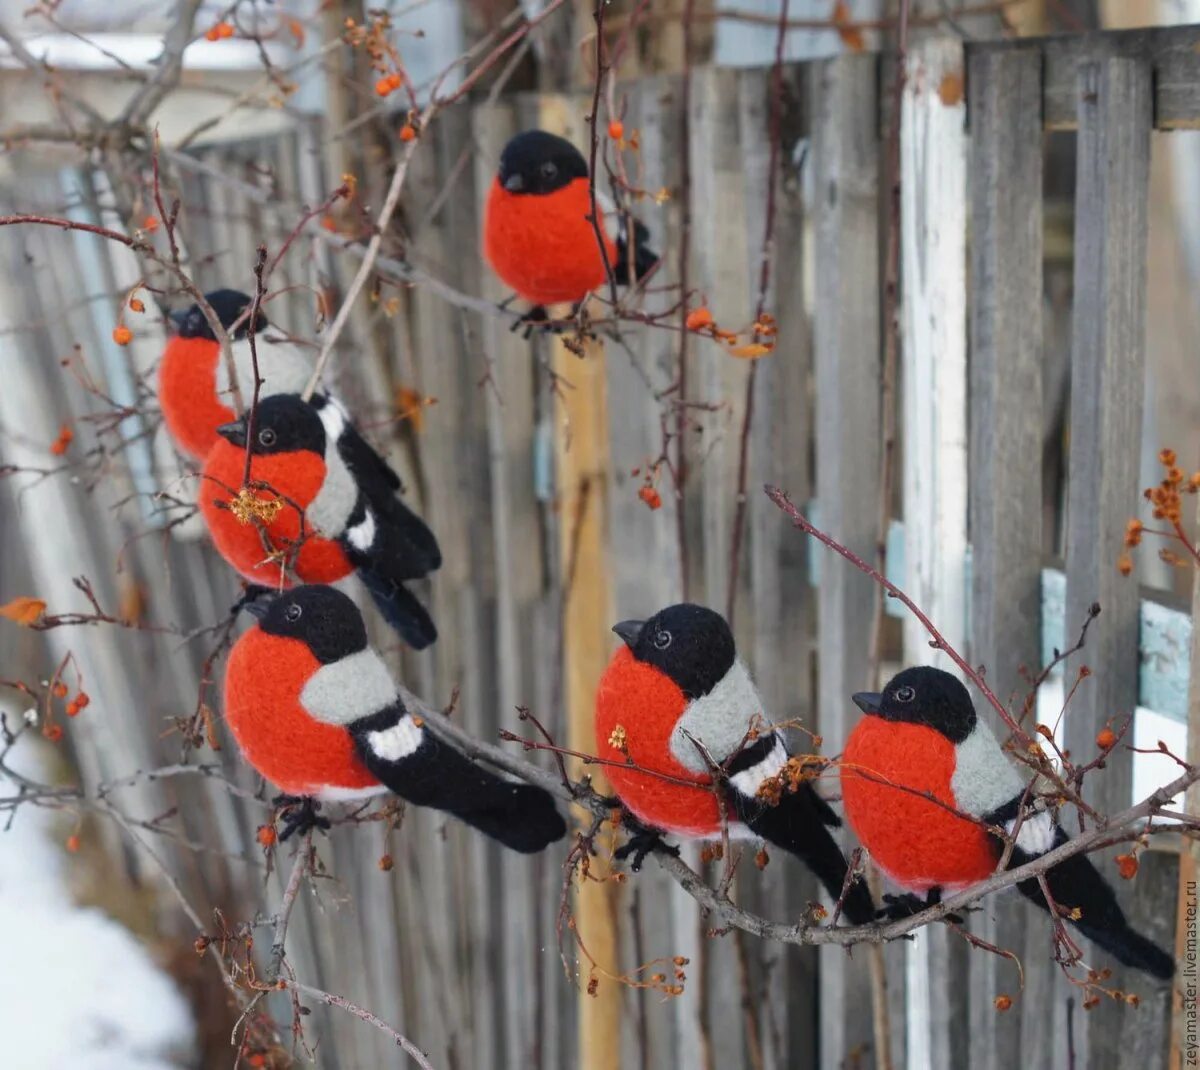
(644, 258)
(401, 609)
(798, 825)
(1076, 883)
(520, 816)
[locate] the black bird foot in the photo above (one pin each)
(252, 593)
(907, 904)
(299, 814)
(537, 317)
(642, 841)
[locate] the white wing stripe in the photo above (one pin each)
(748, 781)
(1036, 834)
(397, 742)
(363, 533)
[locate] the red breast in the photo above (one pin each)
(647, 704)
(297, 477)
(542, 245)
(263, 682)
(187, 392)
(918, 843)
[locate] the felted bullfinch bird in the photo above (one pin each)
(315, 711)
(340, 511)
(921, 733)
(537, 229)
(675, 699)
(193, 377)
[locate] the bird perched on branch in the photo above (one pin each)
(538, 233)
(320, 502)
(678, 705)
(315, 711)
(921, 738)
(194, 389)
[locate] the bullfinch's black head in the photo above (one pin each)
(691, 644)
(229, 305)
(925, 696)
(323, 618)
(537, 162)
(283, 423)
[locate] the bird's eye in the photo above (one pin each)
(904, 694)
(266, 437)
(662, 640)
(293, 612)
(549, 169)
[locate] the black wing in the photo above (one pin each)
(1076, 884)
(427, 771)
(797, 823)
(644, 258)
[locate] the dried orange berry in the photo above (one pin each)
(1167, 457)
(698, 319)
(224, 29)
(136, 304)
(201, 944)
(1002, 1003)
(150, 223)
(1125, 564)
(651, 497)
(386, 863)
(53, 732)
(407, 133)
(1106, 739)
(616, 130)
(72, 843)
(82, 700)
(59, 446)
(72, 708)
(266, 835)
(1127, 865)
(60, 690)
(762, 858)
(384, 86)
(122, 335)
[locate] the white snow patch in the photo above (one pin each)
(77, 989)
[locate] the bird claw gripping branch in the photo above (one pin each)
(642, 842)
(906, 905)
(299, 815)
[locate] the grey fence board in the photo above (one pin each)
(846, 347)
(1107, 360)
(1005, 509)
(1170, 55)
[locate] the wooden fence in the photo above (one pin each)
(530, 485)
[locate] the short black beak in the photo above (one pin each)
(234, 432)
(629, 630)
(514, 183)
(258, 608)
(868, 701)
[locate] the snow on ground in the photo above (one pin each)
(76, 988)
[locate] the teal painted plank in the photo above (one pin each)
(1165, 635)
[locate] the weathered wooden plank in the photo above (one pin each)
(1169, 53)
(1005, 500)
(719, 271)
(775, 606)
(845, 158)
(933, 158)
(582, 473)
(1107, 362)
